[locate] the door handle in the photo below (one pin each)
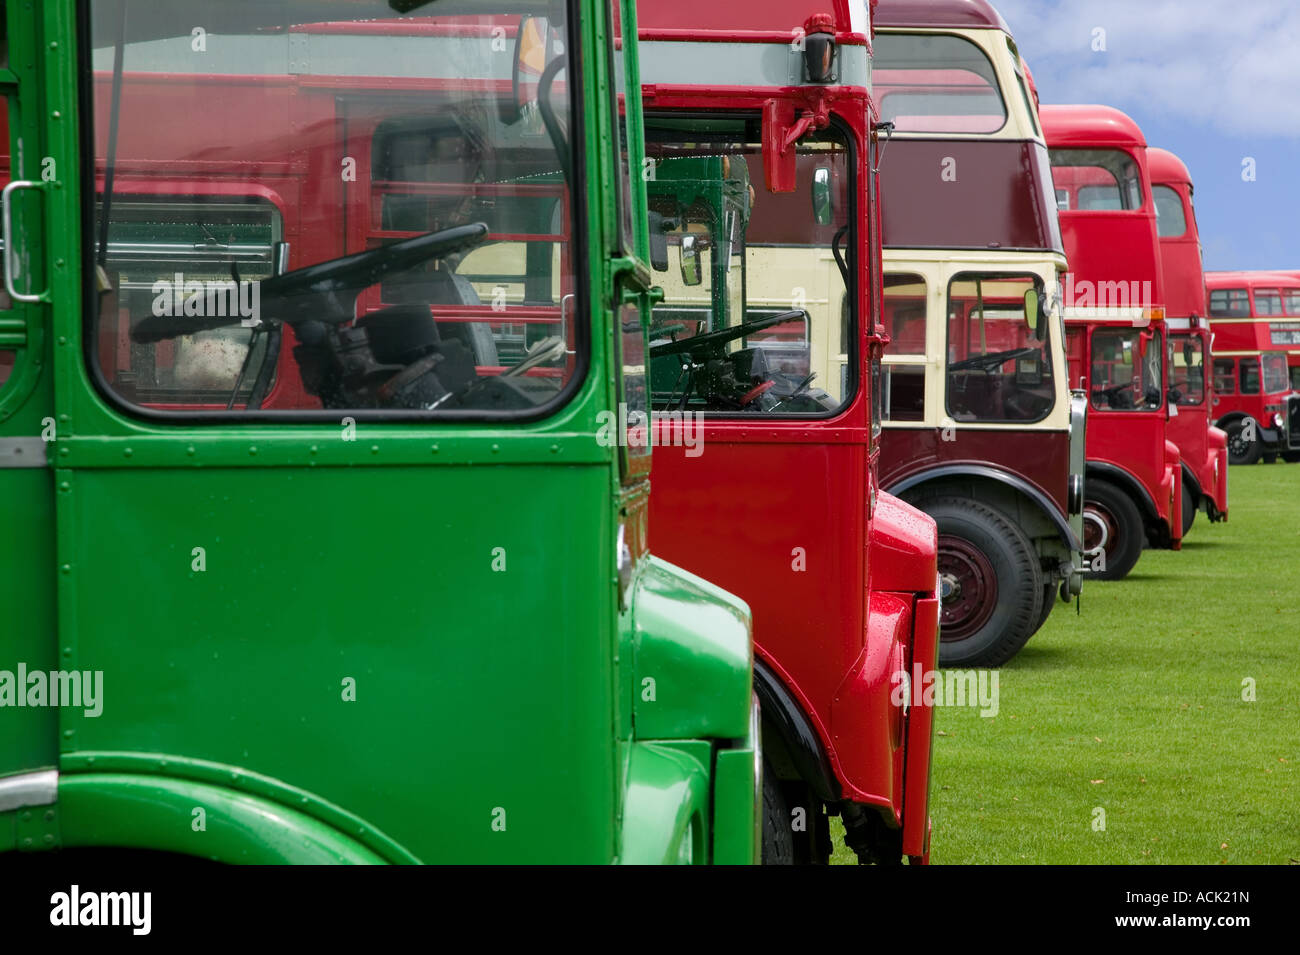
(6, 233)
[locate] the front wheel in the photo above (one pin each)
(778, 835)
(1189, 508)
(1112, 531)
(992, 585)
(1243, 442)
(1049, 602)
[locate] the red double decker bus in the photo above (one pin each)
(1203, 447)
(1114, 316)
(1255, 317)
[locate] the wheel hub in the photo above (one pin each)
(969, 586)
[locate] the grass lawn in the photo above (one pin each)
(1135, 707)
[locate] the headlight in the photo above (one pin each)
(686, 848)
(1074, 499)
(1277, 420)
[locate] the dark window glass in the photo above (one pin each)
(1229, 303)
(754, 310)
(999, 368)
(1225, 376)
(359, 132)
(1126, 370)
(1097, 179)
(936, 84)
(1170, 219)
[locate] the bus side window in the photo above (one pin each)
(1225, 376)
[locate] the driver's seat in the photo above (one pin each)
(476, 336)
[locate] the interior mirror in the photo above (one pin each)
(659, 228)
(1144, 339)
(1031, 310)
(821, 196)
(691, 260)
(531, 55)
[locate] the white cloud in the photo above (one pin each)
(1232, 66)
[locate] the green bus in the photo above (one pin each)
(318, 544)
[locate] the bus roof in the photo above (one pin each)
(949, 14)
(752, 20)
(1166, 167)
(1083, 127)
(1252, 279)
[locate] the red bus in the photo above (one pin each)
(1114, 315)
(1202, 446)
(981, 430)
(761, 149)
(1255, 317)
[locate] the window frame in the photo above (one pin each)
(584, 310)
(854, 218)
(1046, 342)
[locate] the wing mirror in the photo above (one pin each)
(1032, 315)
(822, 203)
(691, 260)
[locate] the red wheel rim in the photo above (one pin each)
(970, 588)
(1100, 530)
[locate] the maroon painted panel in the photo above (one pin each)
(952, 14)
(689, 17)
(1002, 196)
(1040, 457)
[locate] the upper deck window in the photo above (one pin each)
(1291, 300)
(1229, 303)
(1268, 301)
(1096, 180)
(936, 83)
(1170, 219)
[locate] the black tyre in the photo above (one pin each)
(993, 586)
(778, 838)
(1049, 603)
(1112, 525)
(1243, 448)
(1189, 508)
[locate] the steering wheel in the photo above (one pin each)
(327, 291)
(991, 361)
(1113, 396)
(711, 340)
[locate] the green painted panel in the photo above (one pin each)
(462, 609)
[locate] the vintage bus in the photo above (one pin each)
(1291, 309)
(1255, 317)
(980, 428)
(317, 316)
(1202, 447)
(1115, 338)
(761, 154)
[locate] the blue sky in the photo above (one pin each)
(1215, 82)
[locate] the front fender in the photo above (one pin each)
(141, 811)
(693, 657)
(665, 807)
